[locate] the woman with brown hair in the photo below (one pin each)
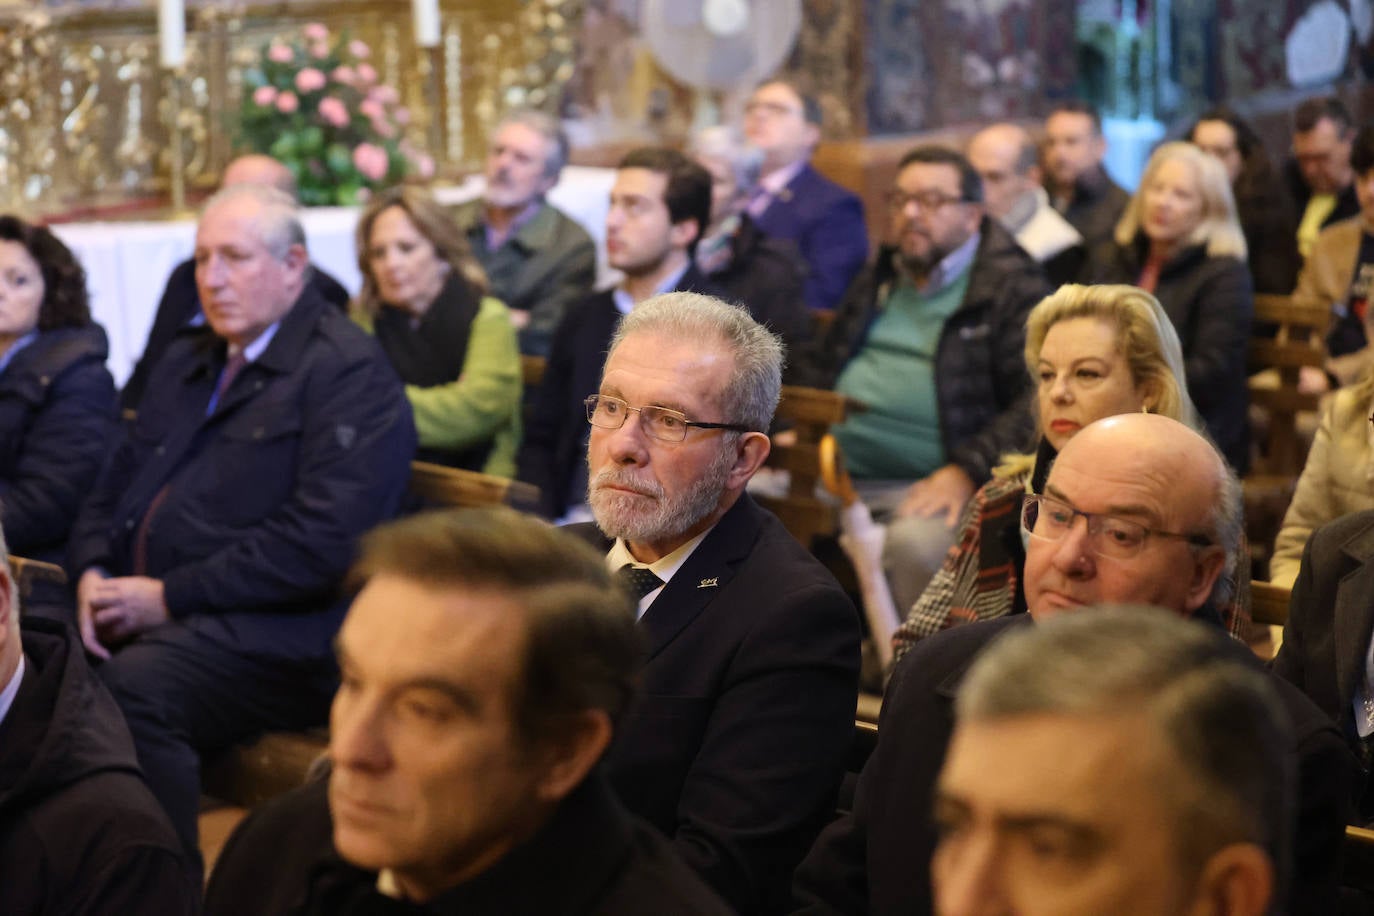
(425, 299)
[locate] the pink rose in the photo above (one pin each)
(359, 49)
(384, 128)
(384, 94)
(370, 161)
(333, 111)
(279, 53)
(367, 74)
(316, 31)
(424, 164)
(287, 102)
(401, 116)
(344, 74)
(362, 196)
(310, 80)
(264, 95)
(319, 50)
(371, 108)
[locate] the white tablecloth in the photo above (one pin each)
(127, 263)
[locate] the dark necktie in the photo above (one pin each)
(232, 366)
(638, 581)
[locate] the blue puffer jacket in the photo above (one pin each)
(57, 409)
(981, 380)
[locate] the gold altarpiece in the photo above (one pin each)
(85, 119)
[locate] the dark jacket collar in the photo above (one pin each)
(288, 345)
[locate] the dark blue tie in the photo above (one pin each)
(638, 581)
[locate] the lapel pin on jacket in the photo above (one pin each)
(709, 583)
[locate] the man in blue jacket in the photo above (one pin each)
(209, 555)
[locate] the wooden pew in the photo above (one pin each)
(1269, 603)
(279, 761)
(810, 412)
(1299, 342)
(27, 572)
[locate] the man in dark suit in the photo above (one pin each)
(795, 202)
(487, 663)
(538, 260)
(738, 745)
(660, 203)
(1326, 641)
(1161, 525)
(1078, 184)
(179, 311)
(209, 556)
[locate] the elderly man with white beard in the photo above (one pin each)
(738, 744)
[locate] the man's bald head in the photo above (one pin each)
(1157, 473)
(258, 169)
(1006, 157)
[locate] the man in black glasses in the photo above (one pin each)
(1140, 510)
(930, 338)
(739, 742)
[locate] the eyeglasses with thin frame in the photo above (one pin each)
(662, 423)
(925, 201)
(1050, 519)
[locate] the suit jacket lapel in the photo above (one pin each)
(1353, 615)
(707, 572)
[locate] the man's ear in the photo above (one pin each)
(1237, 880)
(570, 757)
(684, 233)
(751, 451)
(1209, 564)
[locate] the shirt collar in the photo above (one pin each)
(778, 179)
(625, 304)
(15, 347)
(495, 238)
(664, 567)
(11, 689)
(952, 267)
(255, 349)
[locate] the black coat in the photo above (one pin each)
(266, 497)
(737, 744)
(765, 275)
(1097, 205)
(57, 411)
(590, 859)
(1211, 304)
(876, 858)
(1266, 216)
(981, 382)
(79, 831)
(179, 305)
(553, 454)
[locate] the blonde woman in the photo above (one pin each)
(1093, 352)
(1179, 240)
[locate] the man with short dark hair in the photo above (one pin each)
(1138, 509)
(738, 745)
(179, 310)
(930, 339)
(487, 664)
(1319, 174)
(208, 557)
(1339, 272)
(538, 260)
(79, 830)
(1119, 761)
(660, 205)
(795, 202)
(1078, 184)
(1007, 159)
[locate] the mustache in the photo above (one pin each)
(618, 477)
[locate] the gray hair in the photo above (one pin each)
(745, 161)
(751, 394)
(548, 127)
(1220, 718)
(1228, 529)
(279, 224)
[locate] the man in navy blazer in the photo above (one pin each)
(793, 201)
(738, 744)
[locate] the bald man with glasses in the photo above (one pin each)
(1137, 510)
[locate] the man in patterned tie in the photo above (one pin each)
(209, 555)
(739, 743)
